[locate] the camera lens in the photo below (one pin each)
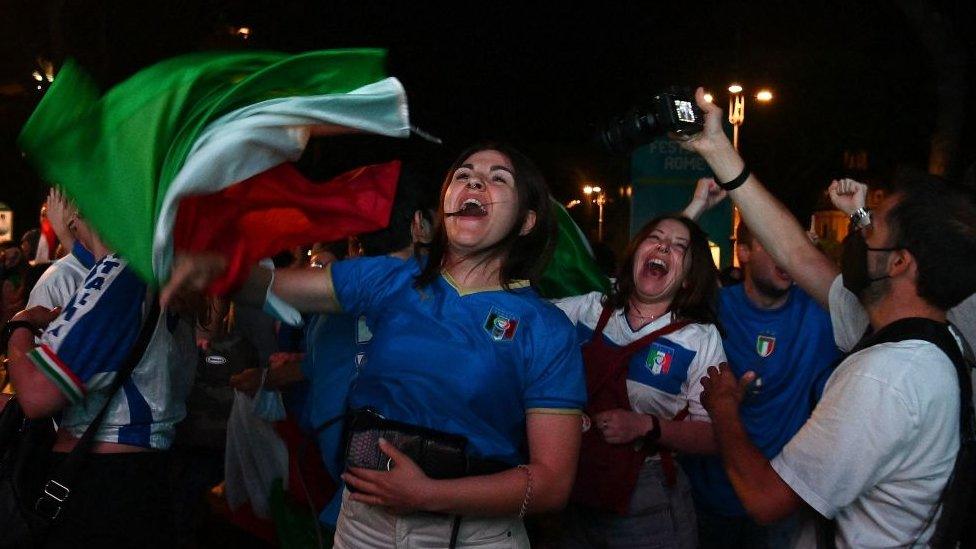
(624, 132)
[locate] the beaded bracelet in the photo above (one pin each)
(528, 491)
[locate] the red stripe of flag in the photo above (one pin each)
(279, 209)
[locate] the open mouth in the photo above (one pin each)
(656, 267)
(470, 208)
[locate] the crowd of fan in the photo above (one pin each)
(811, 403)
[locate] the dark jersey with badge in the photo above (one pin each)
(472, 363)
(788, 348)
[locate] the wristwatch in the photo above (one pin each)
(861, 218)
(652, 436)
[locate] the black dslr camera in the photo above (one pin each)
(673, 111)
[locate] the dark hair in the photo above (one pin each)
(936, 222)
(413, 194)
(696, 301)
(524, 256)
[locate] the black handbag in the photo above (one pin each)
(32, 496)
(440, 455)
(25, 449)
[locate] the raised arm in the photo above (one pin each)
(308, 290)
(847, 195)
(707, 195)
(770, 221)
(59, 213)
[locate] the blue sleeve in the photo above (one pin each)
(95, 331)
(362, 284)
(555, 377)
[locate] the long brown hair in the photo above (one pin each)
(696, 297)
(524, 256)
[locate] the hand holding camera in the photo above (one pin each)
(712, 138)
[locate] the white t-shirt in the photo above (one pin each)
(58, 283)
(879, 447)
(663, 377)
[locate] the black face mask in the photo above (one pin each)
(854, 263)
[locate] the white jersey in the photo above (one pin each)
(83, 348)
(664, 377)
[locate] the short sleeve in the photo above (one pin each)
(963, 317)
(58, 282)
(847, 315)
(711, 353)
(555, 379)
(858, 410)
(574, 307)
(85, 345)
(47, 290)
(362, 284)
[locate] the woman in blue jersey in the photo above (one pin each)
(461, 345)
(646, 347)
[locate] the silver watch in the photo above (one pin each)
(861, 218)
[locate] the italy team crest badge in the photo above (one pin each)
(765, 345)
(500, 326)
(659, 359)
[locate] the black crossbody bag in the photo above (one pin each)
(32, 498)
(958, 498)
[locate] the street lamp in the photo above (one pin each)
(737, 115)
(600, 200)
(737, 107)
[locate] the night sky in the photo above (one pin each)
(847, 76)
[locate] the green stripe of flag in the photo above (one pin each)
(116, 154)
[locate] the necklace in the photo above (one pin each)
(634, 311)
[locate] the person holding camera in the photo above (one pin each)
(876, 459)
(465, 357)
(646, 347)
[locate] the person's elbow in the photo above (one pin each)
(766, 514)
(772, 504)
(37, 395)
(38, 406)
(555, 495)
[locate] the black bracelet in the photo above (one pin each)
(10, 327)
(652, 436)
(738, 181)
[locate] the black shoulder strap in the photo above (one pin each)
(57, 490)
(936, 333)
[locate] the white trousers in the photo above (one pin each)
(363, 526)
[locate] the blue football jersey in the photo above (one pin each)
(472, 363)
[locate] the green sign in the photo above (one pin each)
(663, 177)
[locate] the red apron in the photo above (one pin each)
(607, 473)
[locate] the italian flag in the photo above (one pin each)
(572, 269)
(194, 153)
